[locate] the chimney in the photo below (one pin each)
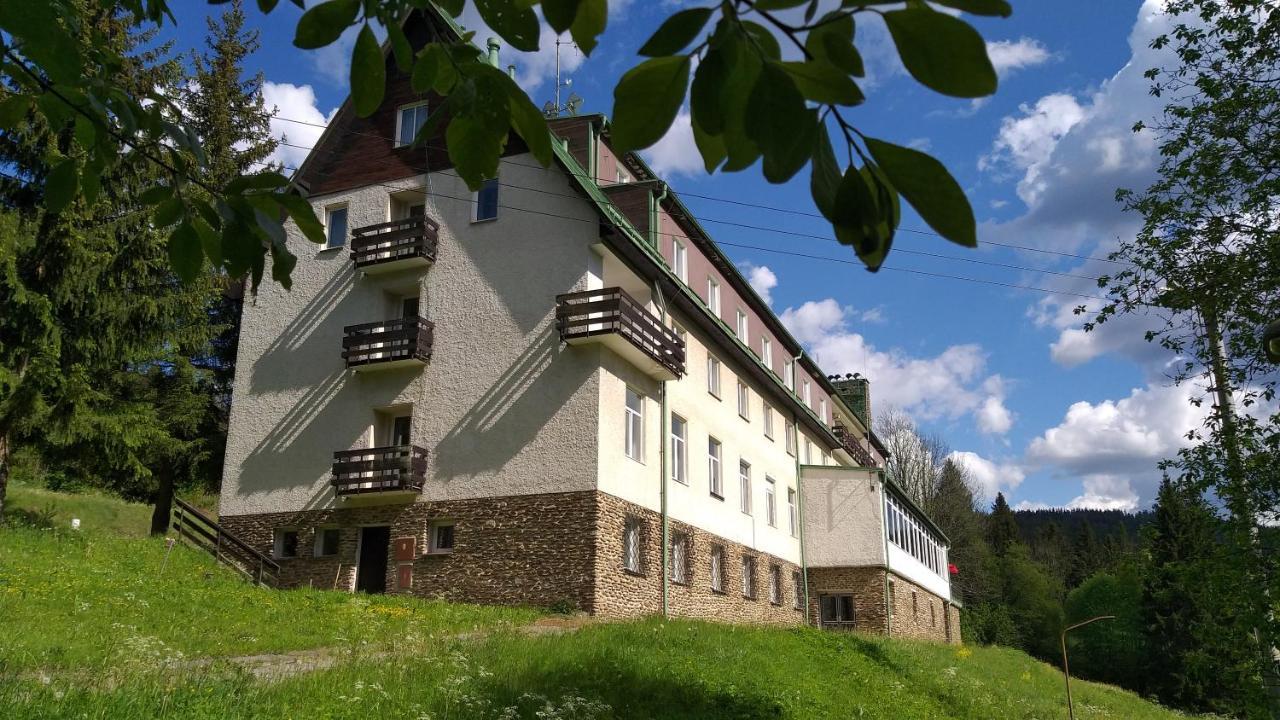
(511, 71)
(855, 391)
(493, 52)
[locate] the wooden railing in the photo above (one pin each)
(854, 448)
(394, 468)
(613, 310)
(387, 341)
(202, 532)
(415, 237)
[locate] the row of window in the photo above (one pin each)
(908, 533)
(635, 532)
(286, 544)
(744, 411)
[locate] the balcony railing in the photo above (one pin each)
(387, 344)
(391, 469)
(852, 446)
(395, 245)
(613, 317)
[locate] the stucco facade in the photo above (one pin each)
(536, 459)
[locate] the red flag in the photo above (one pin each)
(951, 568)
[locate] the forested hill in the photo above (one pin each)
(1104, 523)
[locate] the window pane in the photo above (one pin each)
(444, 537)
(487, 200)
(337, 227)
(679, 461)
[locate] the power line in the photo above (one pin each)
(748, 226)
(756, 206)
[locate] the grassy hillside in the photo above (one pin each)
(97, 624)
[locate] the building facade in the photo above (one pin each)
(554, 391)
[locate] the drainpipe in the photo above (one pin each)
(662, 464)
(493, 52)
(804, 566)
(884, 534)
(511, 71)
(653, 217)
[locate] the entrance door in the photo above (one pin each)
(371, 573)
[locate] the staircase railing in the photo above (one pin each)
(199, 530)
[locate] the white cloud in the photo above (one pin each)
(923, 144)
(676, 153)
(1027, 143)
(951, 384)
(296, 102)
(994, 417)
(1008, 56)
(988, 477)
(763, 281)
(874, 315)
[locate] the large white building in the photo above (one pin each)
(556, 390)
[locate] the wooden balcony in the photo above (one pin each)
(391, 469)
(852, 446)
(404, 342)
(395, 245)
(612, 317)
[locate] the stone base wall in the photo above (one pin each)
(517, 550)
(621, 593)
(915, 612)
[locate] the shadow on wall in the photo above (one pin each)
(308, 346)
(511, 413)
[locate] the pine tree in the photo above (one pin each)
(1199, 658)
(954, 509)
(1002, 527)
(1086, 554)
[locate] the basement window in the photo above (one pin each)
(442, 536)
(286, 543)
(837, 611)
(326, 542)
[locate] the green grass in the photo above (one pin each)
(92, 628)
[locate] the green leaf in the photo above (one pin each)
(13, 110)
(185, 254)
(368, 73)
(992, 8)
(303, 216)
(267, 180)
(857, 217)
(560, 14)
(779, 123)
(735, 94)
(209, 240)
(453, 7)
(646, 101)
(764, 39)
(676, 32)
(930, 189)
(61, 185)
(400, 47)
(528, 121)
(943, 53)
(705, 93)
(478, 130)
(514, 21)
(156, 195)
(45, 40)
(267, 6)
(823, 83)
(324, 23)
(824, 179)
(832, 42)
(473, 149)
(711, 147)
(593, 17)
(169, 212)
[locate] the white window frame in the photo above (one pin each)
(748, 577)
(434, 536)
(744, 401)
(715, 478)
(346, 230)
(775, 584)
(318, 550)
(713, 295)
(744, 486)
(766, 352)
(822, 410)
(789, 374)
(770, 502)
(744, 327)
(633, 545)
(808, 451)
(790, 431)
(679, 557)
(807, 396)
(768, 420)
(793, 512)
(717, 568)
(680, 261)
(400, 121)
(633, 440)
(277, 542)
(475, 201)
(713, 375)
(679, 450)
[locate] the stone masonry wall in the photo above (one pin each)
(866, 584)
(621, 593)
(516, 550)
(917, 613)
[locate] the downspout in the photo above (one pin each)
(593, 157)
(654, 234)
(662, 464)
(884, 534)
(804, 566)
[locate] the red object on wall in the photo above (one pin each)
(404, 577)
(404, 548)
(951, 568)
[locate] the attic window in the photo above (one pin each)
(409, 122)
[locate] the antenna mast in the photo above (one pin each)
(553, 108)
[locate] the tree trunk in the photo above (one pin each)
(163, 510)
(4, 473)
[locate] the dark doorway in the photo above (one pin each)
(371, 573)
(400, 430)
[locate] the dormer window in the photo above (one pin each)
(409, 122)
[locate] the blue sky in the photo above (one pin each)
(1033, 406)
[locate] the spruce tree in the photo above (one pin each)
(1086, 554)
(954, 509)
(1002, 527)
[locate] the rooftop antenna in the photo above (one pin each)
(553, 108)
